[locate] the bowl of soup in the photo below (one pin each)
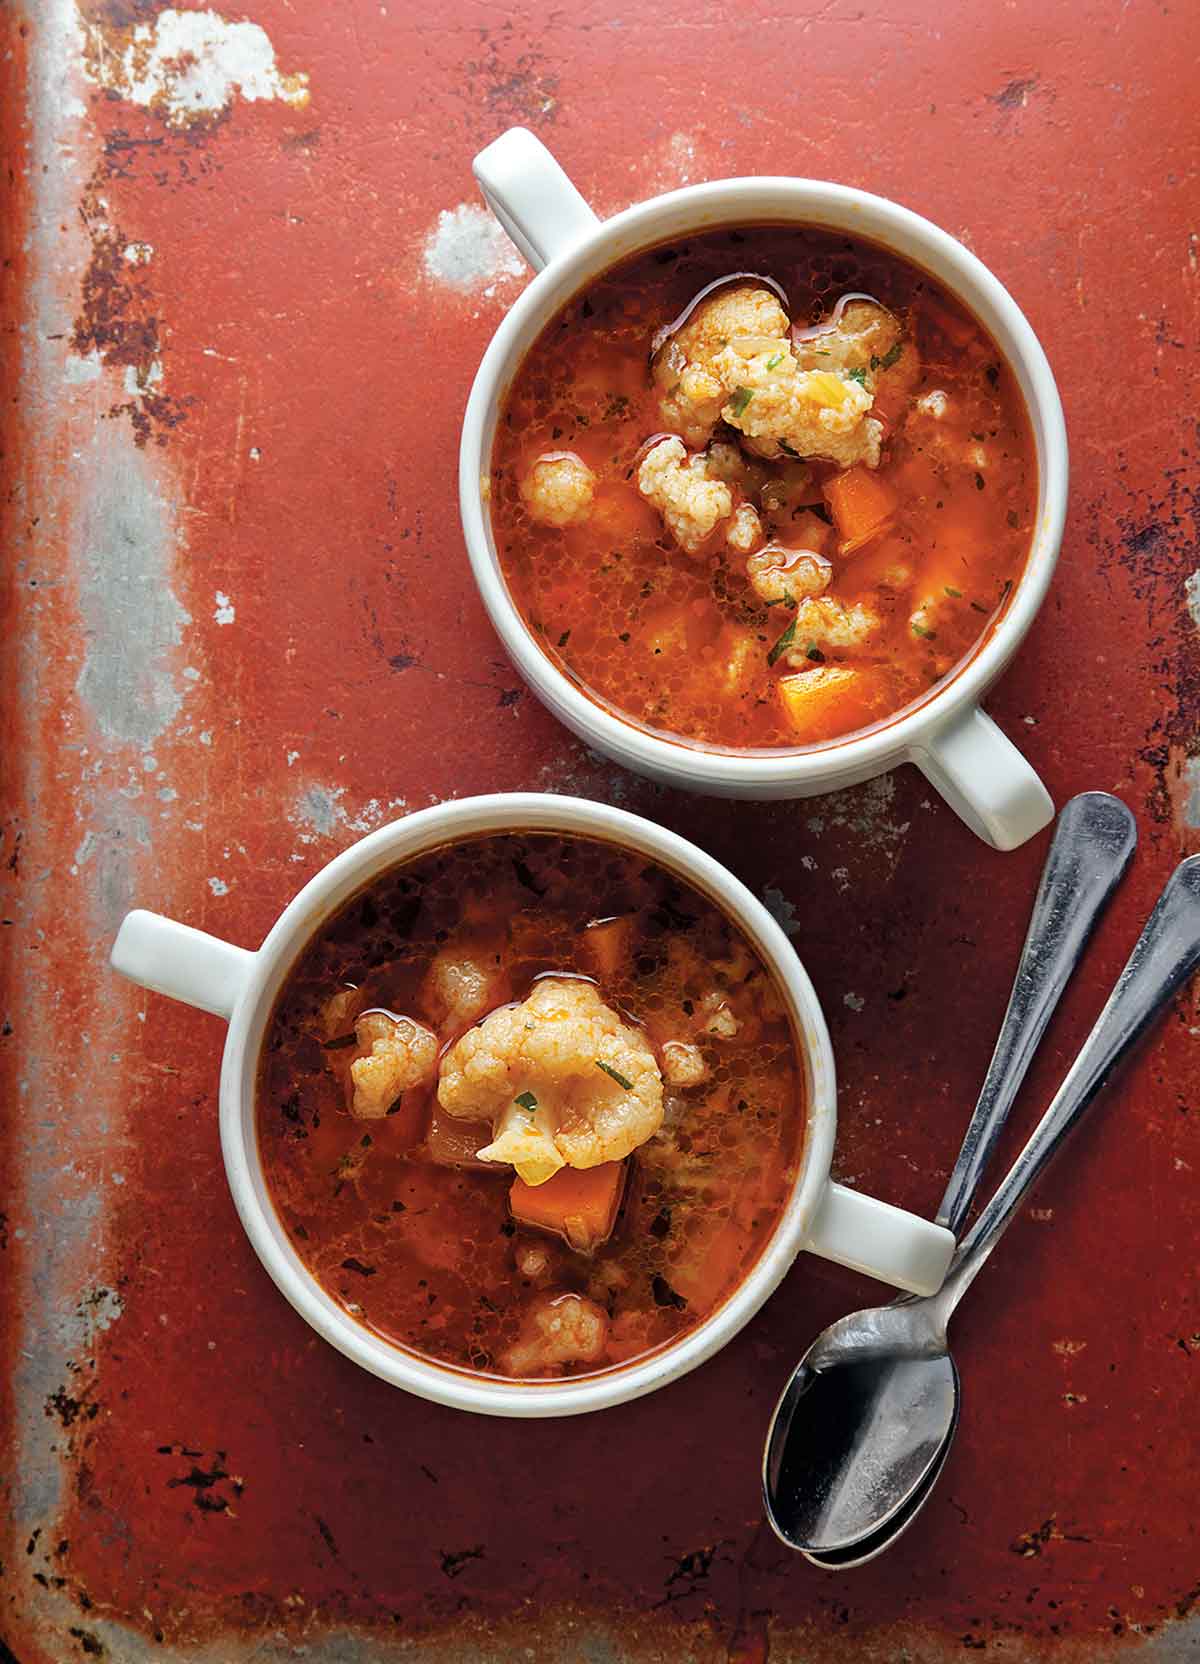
(763, 482)
(527, 1105)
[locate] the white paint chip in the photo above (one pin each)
(1191, 590)
(80, 369)
(468, 249)
(1190, 774)
(189, 66)
(224, 613)
(138, 381)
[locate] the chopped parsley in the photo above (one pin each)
(812, 651)
(790, 450)
(615, 1074)
(564, 638)
(784, 642)
(740, 400)
(977, 606)
(526, 1100)
(950, 590)
(858, 375)
(772, 362)
(926, 635)
(891, 355)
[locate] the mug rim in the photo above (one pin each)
(329, 889)
(815, 202)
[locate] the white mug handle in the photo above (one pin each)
(985, 779)
(532, 197)
(183, 963)
(882, 1241)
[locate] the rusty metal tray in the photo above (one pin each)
(246, 283)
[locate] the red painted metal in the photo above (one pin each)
(241, 629)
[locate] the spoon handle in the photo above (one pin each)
(1165, 955)
(1093, 841)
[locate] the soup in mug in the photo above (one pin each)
(530, 1106)
(763, 488)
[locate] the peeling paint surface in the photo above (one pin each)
(245, 286)
(188, 66)
(467, 249)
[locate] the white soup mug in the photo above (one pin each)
(828, 1219)
(961, 751)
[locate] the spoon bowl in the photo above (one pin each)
(869, 1436)
(868, 1548)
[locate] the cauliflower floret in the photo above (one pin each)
(829, 623)
(538, 1262)
(692, 392)
(678, 486)
(395, 1053)
(724, 461)
(863, 336)
(557, 1329)
(934, 403)
(864, 339)
(734, 311)
(336, 1016)
(779, 574)
(744, 532)
(559, 488)
(460, 985)
(786, 411)
(563, 1080)
(683, 1064)
(716, 1018)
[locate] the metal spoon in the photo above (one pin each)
(1088, 855)
(832, 1515)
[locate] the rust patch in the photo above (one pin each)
(514, 85)
(1015, 94)
(120, 14)
(1154, 538)
(118, 318)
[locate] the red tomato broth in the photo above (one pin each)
(645, 629)
(426, 1255)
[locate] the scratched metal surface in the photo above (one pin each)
(246, 286)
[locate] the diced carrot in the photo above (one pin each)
(957, 330)
(453, 1143)
(832, 699)
(710, 1267)
(579, 1205)
(861, 504)
(606, 944)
